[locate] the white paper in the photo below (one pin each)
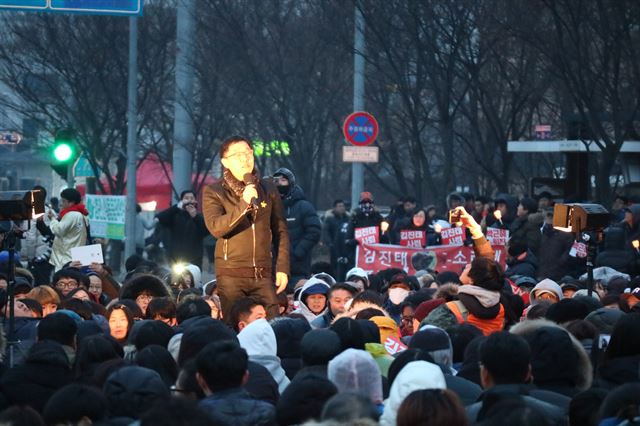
(87, 255)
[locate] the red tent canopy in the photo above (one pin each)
(153, 182)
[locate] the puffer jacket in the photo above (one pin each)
(245, 239)
(303, 225)
(234, 407)
(615, 255)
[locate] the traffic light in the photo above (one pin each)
(63, 153)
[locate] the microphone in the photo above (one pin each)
(250, 179)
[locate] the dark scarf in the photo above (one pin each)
(237, 186)
(80, 208)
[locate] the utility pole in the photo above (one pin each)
(182, 124)
(132, 142)
(357, 169)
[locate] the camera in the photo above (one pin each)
(454, 216)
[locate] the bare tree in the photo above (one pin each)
(70, 71)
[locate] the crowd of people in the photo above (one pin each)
(277, 339)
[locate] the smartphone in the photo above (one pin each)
(454, 216)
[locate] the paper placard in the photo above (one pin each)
(368, 235)
(497, 237)
(413, 238)
(452, 236)
(394, 346)
(87, 255)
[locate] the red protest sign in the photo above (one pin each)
(452, 236)
(413, 238)
(368, 235)
(497, 237)
(376, 257)
(393, 345)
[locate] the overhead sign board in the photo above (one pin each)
(105, 7)
(360, 128)
(10, 138)
(360, 154)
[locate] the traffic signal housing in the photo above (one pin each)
(63, 153)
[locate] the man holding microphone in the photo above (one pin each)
(245, 214)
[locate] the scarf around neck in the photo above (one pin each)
(80, 208)
(487, 298)
(237, 186)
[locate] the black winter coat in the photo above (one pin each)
(334, 234)
(554, 259)
(615, 255)
(554, 407)
(227, 218)
(618, 371)
(527, 230)
(526, 267)
(235, 407)
(304, 229)
(46, 369)
(185, 235)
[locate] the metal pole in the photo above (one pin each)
(132, 142)
(357, 169)
(71, 181)
(183, 125)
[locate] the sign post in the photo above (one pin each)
(360, 129)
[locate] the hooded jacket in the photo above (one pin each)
(144, 282)
(196, 274)
(558, 360)
(303, 225)
(303, 309)
(615, 255)
(416, 375)
(46, 369)
(289, 333)
(132, 390)
(512, 208)
(545, 285)
(259, 340)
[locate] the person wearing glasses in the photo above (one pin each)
(245, 214)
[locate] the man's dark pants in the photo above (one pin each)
(231, 289)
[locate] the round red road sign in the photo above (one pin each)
(360, 128)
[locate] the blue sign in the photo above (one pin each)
(106, 7)
(24, 4)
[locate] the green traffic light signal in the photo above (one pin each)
(63, 152)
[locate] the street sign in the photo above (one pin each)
(104, 7)
(543, 131)
(82, 168)
(10, 138)
(24, 4)
(360, 154)
(360, 128)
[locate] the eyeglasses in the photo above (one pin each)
(144, 297)
(242, 155)
(67, 284)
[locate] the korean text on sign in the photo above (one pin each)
(368, 235)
